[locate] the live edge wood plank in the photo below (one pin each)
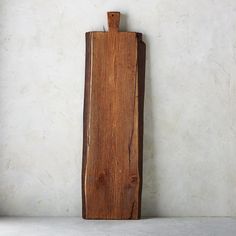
(113, 123)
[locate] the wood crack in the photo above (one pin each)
(133, 116)
(132, 210)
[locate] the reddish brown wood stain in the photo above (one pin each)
(113, 123)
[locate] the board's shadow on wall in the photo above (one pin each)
(149, 189)
(123, 22)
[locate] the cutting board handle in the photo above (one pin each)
(113, 21)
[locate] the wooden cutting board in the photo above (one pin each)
(113, 123)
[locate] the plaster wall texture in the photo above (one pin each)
(190, 111)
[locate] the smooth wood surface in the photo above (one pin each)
(113, 123)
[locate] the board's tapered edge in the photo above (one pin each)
(85, 116)
(141, 50)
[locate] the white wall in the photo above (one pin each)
(190, 111)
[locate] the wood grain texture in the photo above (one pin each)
(113, 123)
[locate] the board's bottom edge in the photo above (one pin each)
(112, 218)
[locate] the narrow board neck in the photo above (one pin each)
(113, 21)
